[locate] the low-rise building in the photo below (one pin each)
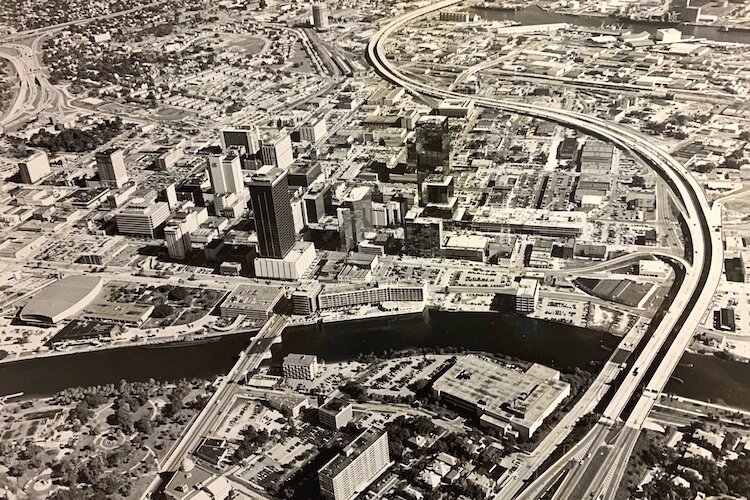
(254, 301)
(335, 414)
(504, 397)
(300, 366)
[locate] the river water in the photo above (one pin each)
(535, 15)
(562, 346)
(45, 376)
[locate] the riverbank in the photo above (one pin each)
(700, 377)
(535, 15)
(153, 342)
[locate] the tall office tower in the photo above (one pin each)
(179, 227)
(35, 168)
(225, 173)
(351, 231)
(433, 149)
(358, 465)
(438, 190)
(111, 166)
(248, 138)
(276, 149)
(274, 221)
(423, 236)
(320, 16)
(316, 202)
(359, 199)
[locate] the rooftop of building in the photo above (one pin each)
(62, 297)
(502, 390)
(351, 452)
(255, 295)
(300, 359)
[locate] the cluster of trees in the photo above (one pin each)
(404, 428)
(78, 140)
(251, 441)
(355, 390)
(176, 400)
(162, 311)
(88, 480)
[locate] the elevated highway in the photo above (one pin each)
(610, 442)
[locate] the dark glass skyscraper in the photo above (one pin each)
(433, 149)
(272, 211)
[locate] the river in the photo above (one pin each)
(535, 15)
(45, 376)
(562, 346)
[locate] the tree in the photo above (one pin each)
(354, 390)
(91, 470)
(67, 471)
(143, 425)
(123, 418)
(162, 311)
(81, 412)
(179, 293)
(94, 399)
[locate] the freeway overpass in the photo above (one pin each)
(662, 350)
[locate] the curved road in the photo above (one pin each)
(662, 349)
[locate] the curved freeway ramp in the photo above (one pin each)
(664, 348)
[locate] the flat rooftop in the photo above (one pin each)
(516, 395)
(253, 296)
(351, 452)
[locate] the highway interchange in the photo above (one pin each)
(593, 467)
(603, 454)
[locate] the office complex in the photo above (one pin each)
(248, 139)
(34, 168)
(274, 222)
(314, 130)
(527, 295)
(142, 219)
(358, 465)
(111, 166)
(276, 149)
(423, 236)
(335, 414)
(178, 229)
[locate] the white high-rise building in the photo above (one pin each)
(276, 149)
(358, 465)
(300, 366)
(178, 229)
(527, 295)
(35, 168)
(314, 131)
(225, 173)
